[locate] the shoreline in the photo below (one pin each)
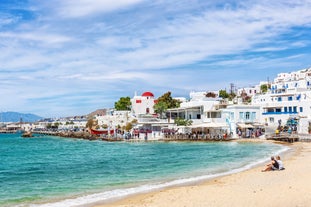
(251, 187)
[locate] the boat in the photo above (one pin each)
(102, 131)
(27, 134)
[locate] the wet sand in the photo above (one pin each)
(287, 188)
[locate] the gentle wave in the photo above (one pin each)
(121, 193)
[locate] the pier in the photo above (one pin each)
(284, 137)
(8, 131)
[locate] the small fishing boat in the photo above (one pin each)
(27, 134)
(102, 131)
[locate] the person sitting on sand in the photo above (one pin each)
(278, 159)
(274, 165)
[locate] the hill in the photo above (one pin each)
(99, 112)
(17, 117)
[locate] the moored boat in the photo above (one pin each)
(102, 131)
(27, 134)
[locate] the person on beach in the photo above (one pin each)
(279, 161)
(274, 165)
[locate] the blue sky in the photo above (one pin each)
(71, 57)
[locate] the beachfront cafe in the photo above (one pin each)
(250, 130)
(211, 130)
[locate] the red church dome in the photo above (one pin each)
(148, 94)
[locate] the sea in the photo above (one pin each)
(52, 171)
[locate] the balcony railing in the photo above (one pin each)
(278, 113)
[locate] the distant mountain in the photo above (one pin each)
(17, 117)
(99, 112)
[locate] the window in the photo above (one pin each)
(215, 115)
(300, 109)
(290, 109)
(279, 98)
(241, 115)
(270, 110)
(232, 116)
(253, 115)
(198, 116)
(289, 98)
(247, 115)
(285, 109)
(278, 110)
(295, 109)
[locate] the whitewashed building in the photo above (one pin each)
(288, 98)
(242, 118)
(142, 105)
(215, 115)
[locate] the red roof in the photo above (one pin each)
(148, 94)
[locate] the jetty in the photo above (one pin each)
(8, 131)
(284, 137)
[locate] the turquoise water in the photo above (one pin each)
(52, 171)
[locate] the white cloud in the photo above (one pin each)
(78, 46)
(81, 8)
(44, 38)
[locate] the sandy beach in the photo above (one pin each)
(290, 187)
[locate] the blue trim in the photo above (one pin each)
(278, 113)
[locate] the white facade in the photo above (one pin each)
(289, 97)
(142, 105)
(250, 91)
(200, 108)
(218, 115)
(120, 118)
(244, 117)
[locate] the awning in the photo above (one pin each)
(257, 124)
(210, 125)
(245, 125)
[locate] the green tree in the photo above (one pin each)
(165, 102)
(134, 121)
(128, 126)
(264, 88)
(123, 104)
(182, 122)
(160, 108)
(232, 96)
(90, 123)
(223, 94)
(105, 126)
(49, 126)
(56, 124)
